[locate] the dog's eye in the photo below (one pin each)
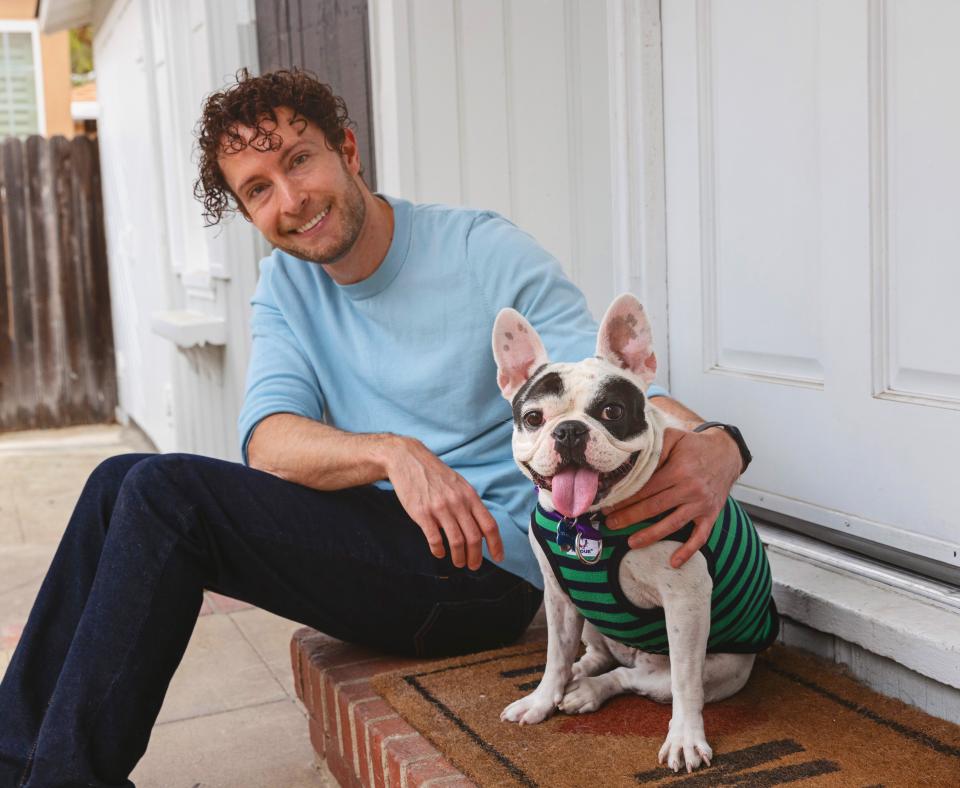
(612, 412)
(533, 419)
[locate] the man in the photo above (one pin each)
(380, 475)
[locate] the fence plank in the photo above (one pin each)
(44, 357)
(56, 345)
(6, 309)
(87, 206)
(21, 326)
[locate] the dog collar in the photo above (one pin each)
(580, 536)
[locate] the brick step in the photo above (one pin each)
(364, 742)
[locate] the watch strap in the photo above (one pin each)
(734, 433)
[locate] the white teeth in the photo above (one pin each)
(312, 223)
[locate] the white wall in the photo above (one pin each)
(156, 62)
(140, 281)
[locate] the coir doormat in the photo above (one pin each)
(799, 720)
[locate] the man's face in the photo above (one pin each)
(303, 196)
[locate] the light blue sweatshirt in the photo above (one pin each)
(408, 350)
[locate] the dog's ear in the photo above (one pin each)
(625, 339)
(518, 349)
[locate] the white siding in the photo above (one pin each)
(157, 66)
(531, 109)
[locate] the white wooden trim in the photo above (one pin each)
(892, 622)
(188, 328)
(19, 26)
(637, 162)
(391, 89)
(844, 522)
(38, 76)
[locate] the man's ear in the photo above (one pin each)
(518, 349)
(625, 339)
(350, 151)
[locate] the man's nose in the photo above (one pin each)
(292, 197)
(570, 434)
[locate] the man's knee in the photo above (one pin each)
(161, 476)
(107, 478)
(175, 485)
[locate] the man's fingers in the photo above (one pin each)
(672, 522)
(698, 539)
(432, 533)
(643, 510)
(661, 480)
(458, 548)
(490, 530)
(474, 540)
(671, 436)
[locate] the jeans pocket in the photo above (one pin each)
(467, 626)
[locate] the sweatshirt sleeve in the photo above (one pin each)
(280, 378)
(511, 269)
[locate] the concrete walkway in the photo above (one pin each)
(231, 718)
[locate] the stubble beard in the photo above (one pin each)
(352, 212)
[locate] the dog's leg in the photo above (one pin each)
(723, 675)
(686, 605)
(648, 676)
(598, 658)
(564, 625)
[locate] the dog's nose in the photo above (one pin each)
(570, 434)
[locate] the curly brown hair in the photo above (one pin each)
(251, 102)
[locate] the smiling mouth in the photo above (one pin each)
(605, 482)
(308, 226)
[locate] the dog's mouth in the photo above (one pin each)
(576, 488)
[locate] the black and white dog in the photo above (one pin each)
(588, 437)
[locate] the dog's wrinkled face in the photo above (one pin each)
(581, 431)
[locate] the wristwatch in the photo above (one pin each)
(734, 433)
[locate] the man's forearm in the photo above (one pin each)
(316, 455)
(689, 420)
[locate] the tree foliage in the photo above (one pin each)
(81, 53)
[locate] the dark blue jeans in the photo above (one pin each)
(150, 533)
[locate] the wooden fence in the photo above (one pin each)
(56, 337)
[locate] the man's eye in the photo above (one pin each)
(533, 419)
(612, 412)
(256, 190)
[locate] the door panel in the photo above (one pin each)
(812, 253)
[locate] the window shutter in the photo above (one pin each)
(18, 87)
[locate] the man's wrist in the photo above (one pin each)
(387, 449)
(734, 440)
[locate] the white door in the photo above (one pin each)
(813, 247)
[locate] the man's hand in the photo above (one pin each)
(693, 478)
(438, 498)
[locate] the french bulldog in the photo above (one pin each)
(588, 437)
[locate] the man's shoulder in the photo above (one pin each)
(284, 277)
(467, 221)
(283, 265)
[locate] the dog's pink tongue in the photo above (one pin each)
(573, 490)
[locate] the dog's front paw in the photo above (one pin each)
(581, 696)
(689, 741)
(533, 708)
